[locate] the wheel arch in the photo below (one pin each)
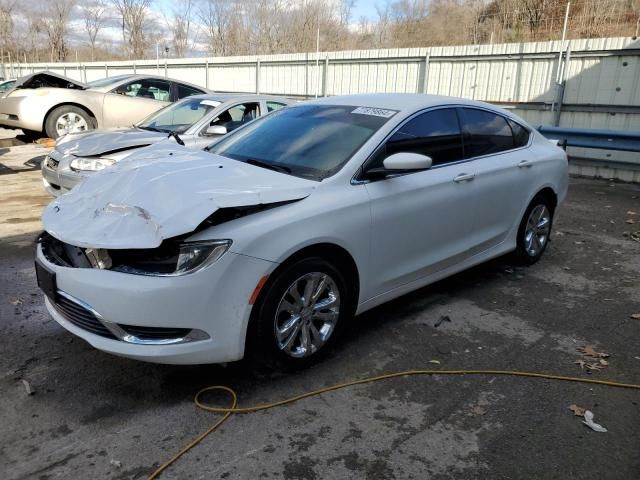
(331, 252)
(548, 193)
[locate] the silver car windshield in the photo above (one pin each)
(309, 141)
(179, 116)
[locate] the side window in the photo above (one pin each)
(237, 116)
(485, 133)
(273, 106)
(146, 88)
(436, 134)
(186, 91)
(520, 134)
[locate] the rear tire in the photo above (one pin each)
(293, 328)
(535, 230)
(67, 119)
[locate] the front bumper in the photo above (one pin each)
(214, 300)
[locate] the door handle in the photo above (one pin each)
(525, 163)
(464, 177)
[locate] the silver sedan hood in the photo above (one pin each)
(102, 142)
(161, 192)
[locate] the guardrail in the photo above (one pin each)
(593, 138)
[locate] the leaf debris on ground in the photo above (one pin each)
(635, 316)
(591, 360)
(577, 410)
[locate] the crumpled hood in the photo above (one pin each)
(161, 192)
(48, 79)
(101, 142)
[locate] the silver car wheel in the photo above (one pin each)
(70, 122)
(307, 315)
(536, 233)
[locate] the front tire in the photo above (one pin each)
(67, 119)
(299, 314)
(534, 230)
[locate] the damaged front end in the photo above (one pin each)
(173, 257)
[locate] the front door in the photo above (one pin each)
(134, 101)
(421, 221)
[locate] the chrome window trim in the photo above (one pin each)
(122, 335)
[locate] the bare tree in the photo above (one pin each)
(95, 16)
(180, 27)
(133, 17)
(6, 27)
(56, 24)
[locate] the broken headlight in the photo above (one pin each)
(170, 259)
(90, 164)
(196, 255)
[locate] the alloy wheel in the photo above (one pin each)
(70, 122)
(307, 315)
(536, 233)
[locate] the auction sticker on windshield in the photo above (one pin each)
(377, 112)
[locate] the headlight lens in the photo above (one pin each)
(91, 164)
(196, 255)
(170, 259)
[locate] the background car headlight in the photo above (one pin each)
(91, 164)
(196, 255)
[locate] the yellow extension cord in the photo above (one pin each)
(228, 411)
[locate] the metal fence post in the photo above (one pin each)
(106, 70)
(257, 76)
(325, 76)
(561, 88)
(206, 74)
(134, 68)
(425, 78)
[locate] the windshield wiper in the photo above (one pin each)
(151, 129)
(175, 135)
(270, 166)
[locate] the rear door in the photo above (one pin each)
(496, 147)
(421, 221)
(133, 101)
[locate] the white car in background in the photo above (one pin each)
(197, 120)
(273, 239)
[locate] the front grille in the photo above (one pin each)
(52, 163)
(155, 333)
(81, 317)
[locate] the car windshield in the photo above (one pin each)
(179, 116)
(310, 141)
(103, 82)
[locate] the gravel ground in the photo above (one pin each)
(98, 416)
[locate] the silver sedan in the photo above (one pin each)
(196, 121)
(56, 105)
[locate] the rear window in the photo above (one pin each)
(485, 133)
(520, 134)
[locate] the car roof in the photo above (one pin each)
(403, 102)
(239, 97)
(138, 76)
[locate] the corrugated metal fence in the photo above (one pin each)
(591, 83)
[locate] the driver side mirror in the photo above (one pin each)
(213, 130)
(402, 162)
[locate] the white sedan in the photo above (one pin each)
(273, 239)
